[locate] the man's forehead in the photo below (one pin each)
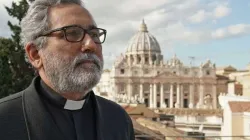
(71, 14)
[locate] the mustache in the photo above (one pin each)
(88, 57)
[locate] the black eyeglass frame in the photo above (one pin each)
(47, 33)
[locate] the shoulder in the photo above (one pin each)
(115, 116)
(111, 108)
(11, 104)
(10, 107)
(11, 118)
(11, 99)
(108, 104)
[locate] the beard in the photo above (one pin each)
(73, 75)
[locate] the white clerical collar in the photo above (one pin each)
(74, 105)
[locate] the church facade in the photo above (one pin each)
(142, 76)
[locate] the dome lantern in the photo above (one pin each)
(143, 27)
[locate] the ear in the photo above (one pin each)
(33, 55)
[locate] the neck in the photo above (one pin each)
(73, 96)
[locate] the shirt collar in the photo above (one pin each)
(59, 101)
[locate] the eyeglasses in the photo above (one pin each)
(75, 33)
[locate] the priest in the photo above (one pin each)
(64, 45)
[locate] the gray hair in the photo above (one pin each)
(36, 21)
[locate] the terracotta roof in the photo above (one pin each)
(129, 108)
(222, 77)
(192, 112)
(169, 132)
(142, 130)
(140, 111)
(226, 68)
(238, 107)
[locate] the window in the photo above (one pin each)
(122, 71)
(195, 73)
(158, 104)
(186, 71)
(146, 60)
(208, 72)
(138, 59)
(135, 72)
(185, 102)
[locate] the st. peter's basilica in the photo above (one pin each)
(142, 76)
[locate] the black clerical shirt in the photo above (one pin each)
(73, 124)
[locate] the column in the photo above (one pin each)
(191, 96)
(177, 105)
(171, 98)
(142, 59)
(150, 59)
(116, 91)
(130, 90)
(155, 95)
(135, 59)
(162, 96)
(129, 60)
(214, 95)
(157, 60)
(181, 96)
(151, 96)
(201, 96)
(141, 91)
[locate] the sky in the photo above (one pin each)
(218, 30)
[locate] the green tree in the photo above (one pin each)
(16, 74)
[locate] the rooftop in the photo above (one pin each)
(169, 132)
(239, 106)
(144, 131)
(221, 77)
(140, 111)
(192, 112)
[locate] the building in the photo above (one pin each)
(225, 71)
(239, 78)
(140, 111)
(168, 132)
(236, 120)
(244, 80)
(141, 74)
(144, 133)
(207, 121)
(235, 88)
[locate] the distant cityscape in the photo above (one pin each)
(170, 100)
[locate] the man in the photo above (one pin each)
(64, 45)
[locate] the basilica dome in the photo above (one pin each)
(143, 42)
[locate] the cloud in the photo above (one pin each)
(221, 11)
(231, 31)
(170, 21)
(180, 33)
(199, 16)
(202, 15)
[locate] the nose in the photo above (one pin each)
(88, 44)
